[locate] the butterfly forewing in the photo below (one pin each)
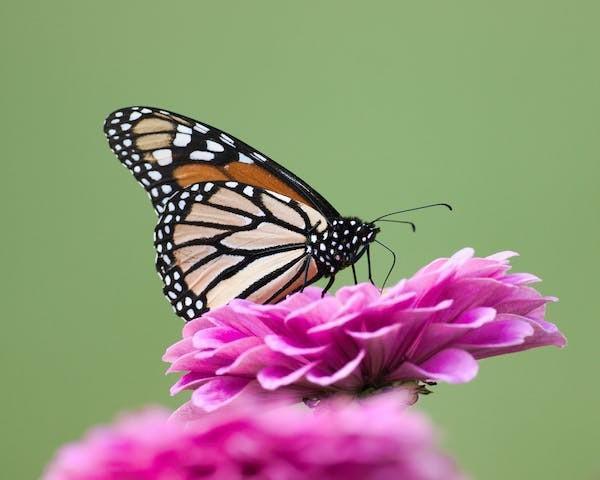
(167, 152)
(217, 241)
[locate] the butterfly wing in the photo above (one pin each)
(167, 152)
(217, 241)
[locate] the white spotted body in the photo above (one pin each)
(341, 244)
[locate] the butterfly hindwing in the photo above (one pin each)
(216, 241)
(167, 152)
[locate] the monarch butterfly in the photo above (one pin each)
(232, 222)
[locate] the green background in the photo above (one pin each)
(490, 105)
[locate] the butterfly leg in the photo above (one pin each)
(369, 265)
(306, 265)
(328, 286)
(354, 274)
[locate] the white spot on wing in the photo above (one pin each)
(163, 156)
(245, 159)
(182, 139)
(184, 129)
(227, 139)
(214, 146)
(200, 155)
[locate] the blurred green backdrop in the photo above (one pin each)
(492, 106)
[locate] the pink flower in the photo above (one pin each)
(375, 440)
(431, 327)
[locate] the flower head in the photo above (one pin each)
(428, 328)
(376, 440)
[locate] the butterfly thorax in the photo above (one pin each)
(341, 244)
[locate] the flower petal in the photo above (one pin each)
(249, 362)
(281, 344)
(277, 376)
(324, 379)
(190, 381)
(215, 337)
(501, 333)
(451, 365)
(218, 392)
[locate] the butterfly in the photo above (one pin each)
(232, 223)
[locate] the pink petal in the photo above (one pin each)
(446, 334)
(250, 362)
(178, 349)
(191, 362)
(315, 313)
(451, 365)
(501, 333)
(276, 376)
(502, 256)
(230, 351)
(218, 392)
(325, 379)
(521, 278)
(475, 317)
(215, 337)
(190, 381)
(198, 324)
(277, 343)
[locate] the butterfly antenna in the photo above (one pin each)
(393, 262)
(448, 206)
(412, 225)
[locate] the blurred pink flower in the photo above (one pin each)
(375, 440)
(431, 327)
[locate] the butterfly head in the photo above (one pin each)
(342, 243)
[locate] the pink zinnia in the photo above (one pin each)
(431, 327)
(376, 440)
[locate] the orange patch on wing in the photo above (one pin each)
(189, 174)
(255, 175)
(246, 173)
